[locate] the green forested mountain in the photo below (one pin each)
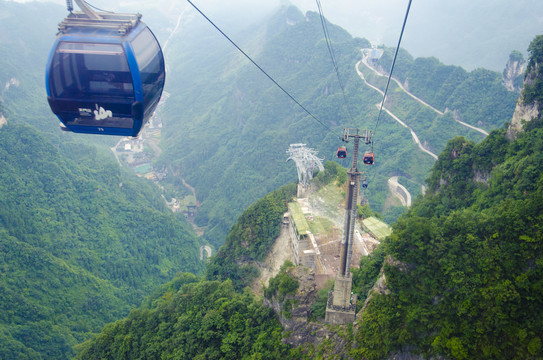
(478, 97)
(194, 320)
(229, 125)
(465, 264)
(27, 32)
(212, 317)
(462, 273)
(250, 239)
(81, 242)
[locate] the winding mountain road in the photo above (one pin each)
(413, 134)
(399, 191)
(365, 62)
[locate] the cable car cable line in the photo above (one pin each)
(392, 68)
(261, 69)
(333, 56)
(388, 83)
(96, 8)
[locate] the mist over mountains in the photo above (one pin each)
(226, 129)
(465, 33)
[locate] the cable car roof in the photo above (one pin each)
(110, 24)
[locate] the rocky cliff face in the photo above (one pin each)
(524, 112)
(514, 72)
(295, 319)
(528, 105)
(294, 311)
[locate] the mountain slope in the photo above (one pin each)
(229, 126)
(465, 266)
(463, 278)
(194, 320)
(81, 242)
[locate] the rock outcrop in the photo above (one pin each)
(514, 72)
(294, 310)
(525, 111)
(523, 114)
(294, 314)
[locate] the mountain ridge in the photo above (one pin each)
(100, 208)
(460, 277)
(248, 123)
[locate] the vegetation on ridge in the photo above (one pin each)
(82, 242)
(250, 239)
(466, 268)
(202, 320)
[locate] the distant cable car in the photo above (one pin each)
(104, 75)
(342, 152)
(364, 183)
(368, 158)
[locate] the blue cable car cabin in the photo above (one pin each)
(105, 76)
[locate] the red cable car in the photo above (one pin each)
(368, 158)
(342, 152)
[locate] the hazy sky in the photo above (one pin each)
(471, 33)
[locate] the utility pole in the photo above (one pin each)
(341, 304)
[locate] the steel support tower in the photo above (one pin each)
(341, 303)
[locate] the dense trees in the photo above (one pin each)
(533, 90)
(202, 320)
(81, 242)
(228, 139)
(465, 278)
(250, 239)
(478, 97)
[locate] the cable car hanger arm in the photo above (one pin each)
(87, 10)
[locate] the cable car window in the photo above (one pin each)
(151, 66)
(83, 70)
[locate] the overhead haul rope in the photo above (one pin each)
(333, 56)
(259, 68)
(390, 76)
(392, 68)
(95, 8)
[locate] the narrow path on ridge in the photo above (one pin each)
(365, 62)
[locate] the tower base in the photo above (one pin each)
(341, 305)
